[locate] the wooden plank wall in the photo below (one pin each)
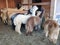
(11, 3)
(46, 0)
(47, 7)
(2, 4)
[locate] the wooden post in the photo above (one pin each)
(7, 4)
(42, 3)
(52, 8)
(28, 4)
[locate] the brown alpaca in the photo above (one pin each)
(31, 22)
(51, 29)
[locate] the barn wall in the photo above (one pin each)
(46, 7)
(25, 2)
(46, 0)
(12, 3)
(2, 4)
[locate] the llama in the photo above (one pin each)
(51, 29)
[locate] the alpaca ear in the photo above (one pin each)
(21, 8)
(38, 13)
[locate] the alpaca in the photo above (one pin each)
(33, 10)
(51, 29)
(20, 19)
(31, 23)
(4, 16)
(7, 13)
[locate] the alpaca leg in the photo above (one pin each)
(5, 22)
(29, 30)
(46, 32)
(55, 36)
(29, 33)
(13, 26)
(8, 22)
(54, 41)
(17, 28)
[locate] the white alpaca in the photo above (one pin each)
(19, 20)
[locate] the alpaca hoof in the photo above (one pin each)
(5, 23)
(31, 34)
(26, 34)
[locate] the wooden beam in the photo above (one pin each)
(28, 4)
(7, 4)
(42, 3)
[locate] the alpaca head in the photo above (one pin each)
(33, 10)
(38, 13)
(46, 16)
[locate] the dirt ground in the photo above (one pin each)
(9, 37)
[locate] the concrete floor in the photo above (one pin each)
(10, 37)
